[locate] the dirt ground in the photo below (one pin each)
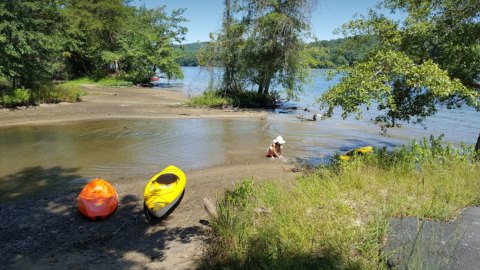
(47, 232)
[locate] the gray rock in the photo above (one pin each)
(421, 244)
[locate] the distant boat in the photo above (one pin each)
(164, 192)
(156, 78)
(97, 199)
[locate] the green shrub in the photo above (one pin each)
(19, 97)
(50, 93)
(210, 99)
(251, 99)
(243, 99)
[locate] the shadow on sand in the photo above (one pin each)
(47, 232)
(35, 181)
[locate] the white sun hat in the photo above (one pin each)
(279, 140)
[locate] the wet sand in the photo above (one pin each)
(47, 232)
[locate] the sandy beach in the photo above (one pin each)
(47, 232)
(102, 103)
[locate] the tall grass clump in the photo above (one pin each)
(337, 217)
(109, 81)
(55, 93)
(209, 98)
(79, 81)
(45, 93)
(243, 99)
(114, 82)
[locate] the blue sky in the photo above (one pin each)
(205, 15)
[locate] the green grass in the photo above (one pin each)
(210, 99)
(55, 93)
(243, 99)
(337, 216)
(46, 93)
(113, 82)
(80, 81)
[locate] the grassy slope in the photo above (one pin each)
(337, 217)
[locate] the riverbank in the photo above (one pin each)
(103, 103)
(46, 231)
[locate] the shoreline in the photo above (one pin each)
(104, 103)
(45, 231)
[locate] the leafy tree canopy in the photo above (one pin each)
(95, 28)
(30, 41)
(261, 44)
(41, 40)
(110, 36)
(148, 44)
(429, 59)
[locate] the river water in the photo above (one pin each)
(53, 155)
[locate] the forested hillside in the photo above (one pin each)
(343, 51)
(329, 53)
(188, 53)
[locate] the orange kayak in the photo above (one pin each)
(97, 199)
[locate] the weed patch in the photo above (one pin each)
(210, 99)
(337, 217)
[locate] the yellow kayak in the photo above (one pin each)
(358, 151)
(164, 191)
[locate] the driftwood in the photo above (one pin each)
(262, 210)
(303, 118)
(210, 208)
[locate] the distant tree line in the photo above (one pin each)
(43, 40)
(328, 53)
(187, 53)
(342, 51)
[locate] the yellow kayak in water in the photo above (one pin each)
(164, 191)
(358, 151)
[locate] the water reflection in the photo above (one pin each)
(127, 148)
(122, 149)
(457, 125)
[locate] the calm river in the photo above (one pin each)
(121, 149)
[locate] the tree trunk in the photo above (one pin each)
(264, 84)
(260, 89)
(267, 88)
(211, 78)
(117, 68)
(227, 13)
(229, 86)
(477, 149)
